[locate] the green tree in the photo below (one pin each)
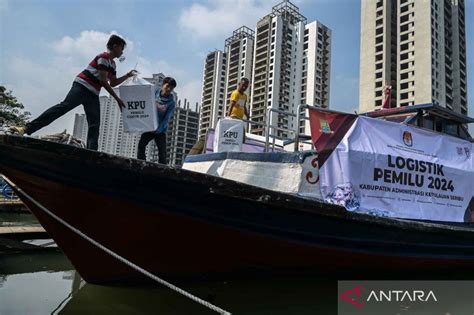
(11, 111)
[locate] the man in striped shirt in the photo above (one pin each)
(85, 90)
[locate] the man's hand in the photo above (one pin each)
(131, 73)
(121, 104)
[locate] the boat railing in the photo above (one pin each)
(270, 129)
(273, 128)
(298, 119)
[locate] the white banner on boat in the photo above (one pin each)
(139, 114)
(395, 170)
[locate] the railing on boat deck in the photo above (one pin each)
(298, 119)
(273, 128)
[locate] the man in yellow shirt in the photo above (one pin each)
(238, 100)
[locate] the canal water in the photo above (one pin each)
(45, 282)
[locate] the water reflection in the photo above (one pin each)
(51, 286)
(44, 282)
(275, 296)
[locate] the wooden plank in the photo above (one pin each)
(10, 201)
(21, 229)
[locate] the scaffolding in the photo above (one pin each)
(241, 32)
(288, 11)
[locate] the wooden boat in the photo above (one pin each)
(177, 223)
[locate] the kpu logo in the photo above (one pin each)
(230, 134)
(407, 138)
(468, 152)
(464, 151)
(136, 105)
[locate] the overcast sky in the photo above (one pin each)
(44, 44)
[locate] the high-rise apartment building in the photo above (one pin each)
(416, 47)
(213, 91)
(277, 68)
(316, 69)
(291, 67)
(287, 62)
(80, 128)
(111, 127)
(182, 134)
(239, 52)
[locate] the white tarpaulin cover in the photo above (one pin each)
(139, 114)
(395, 170)
(229, 135)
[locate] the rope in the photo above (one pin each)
(122, 259)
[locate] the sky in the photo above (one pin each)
(44, 44)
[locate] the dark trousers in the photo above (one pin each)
(78, 94)
(160, 140)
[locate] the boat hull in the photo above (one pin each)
(177, 223)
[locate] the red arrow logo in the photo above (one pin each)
(353, 296)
